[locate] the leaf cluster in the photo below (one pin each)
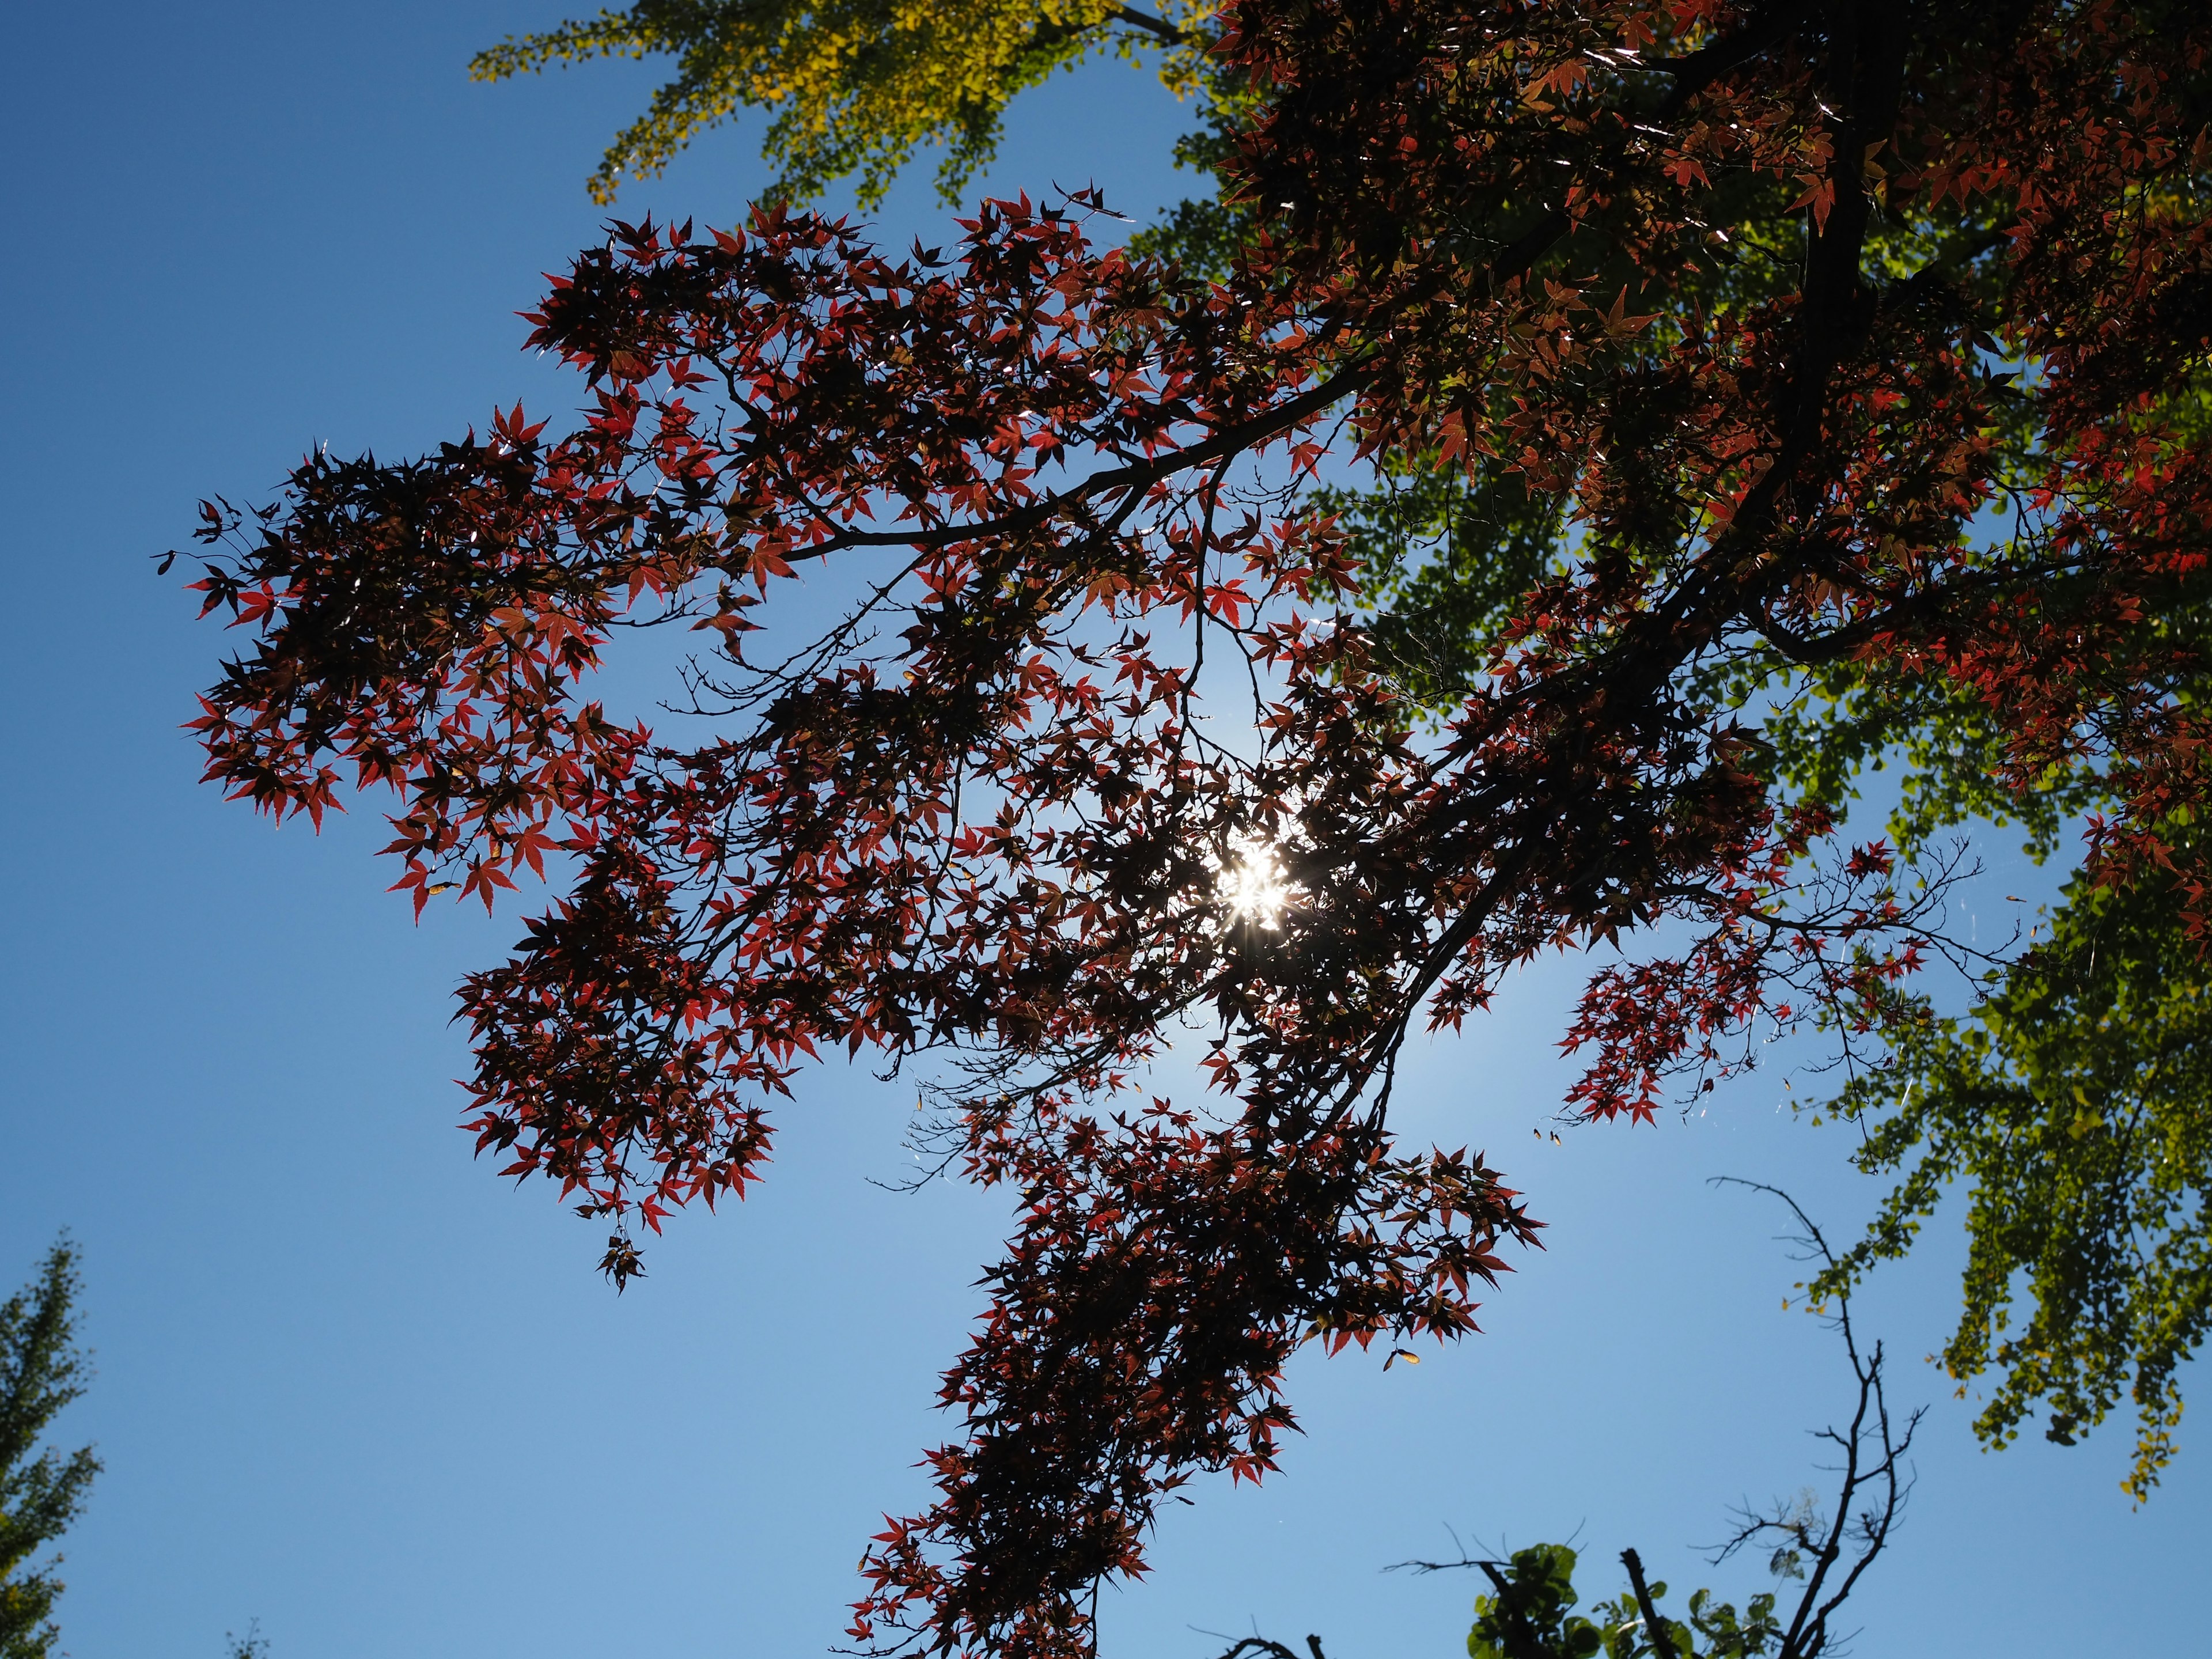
(1531, 1616)
(856, 86)
(2071, 1105)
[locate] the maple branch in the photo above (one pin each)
(1933, 603)
(1135, 477)
(1834, 248)
(1695, 71)
(1512, 261)
(1829, 291)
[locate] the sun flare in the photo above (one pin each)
(1253, 887)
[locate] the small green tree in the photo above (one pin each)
(41, 1371)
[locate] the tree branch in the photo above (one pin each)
(1273, 1649)
(1159, 27)
(1700, 69)
(1663, 1639)
(1870, 1430)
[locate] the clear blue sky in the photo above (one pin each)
(351, 1385)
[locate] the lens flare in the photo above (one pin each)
(1252, 888)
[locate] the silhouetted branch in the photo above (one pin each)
(1273, 1649)
(1655, 1627)
(1159, 26)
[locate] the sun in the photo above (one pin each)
(1253, 887)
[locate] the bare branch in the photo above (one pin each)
(1875, 1484)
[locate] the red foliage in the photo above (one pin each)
(981, 817)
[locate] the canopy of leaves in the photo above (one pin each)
(41, 1372)
(1446, 554)
(856, 86)
(1728, 291)
(2074, 1103)
(2106, 1236)
(2109, 1269)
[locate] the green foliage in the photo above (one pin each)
(1532, 1617)
(2074, 1104)
(1532, 1612)
(1202, 234)
(2071, 1104)
(41, 1372)
(1444, 556)
(856, 86)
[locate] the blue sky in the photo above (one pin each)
(353, 1387)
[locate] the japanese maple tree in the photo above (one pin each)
(1740, 295)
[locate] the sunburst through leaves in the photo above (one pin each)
(1252, 887)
